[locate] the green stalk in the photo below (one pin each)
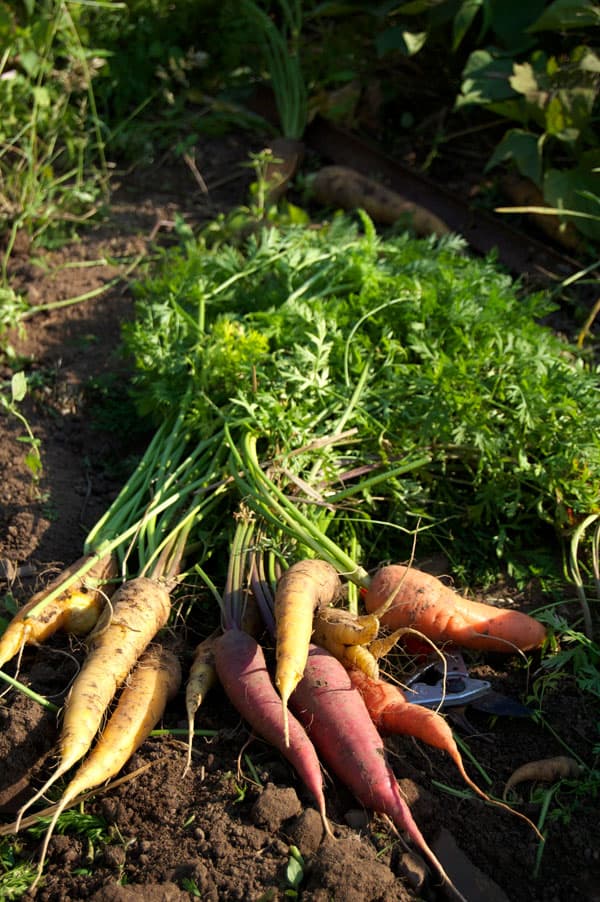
(575, 573)
(236, 569)
(29, 692)
(272, 504)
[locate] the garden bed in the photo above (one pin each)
(215, 833)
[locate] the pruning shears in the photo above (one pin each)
(444, 682)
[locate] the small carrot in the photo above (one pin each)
(138, 610)
(242, 670)
(75, 610)
(201, 679)
(337, 720)
(392, 714)
(154, 681)
(424, 603)
(546, 770)
(299, 591)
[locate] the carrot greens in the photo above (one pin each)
(414, 384)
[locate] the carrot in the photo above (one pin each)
(75, 610)
(337, 720)
(138, 610)
(392, 714)
(546, 770)
(201, 679)
(242, 670)
(340, 186)
(154, 681)
(299, 591)
(347, 635)
(424, 603)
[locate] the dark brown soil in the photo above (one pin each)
(224, 830)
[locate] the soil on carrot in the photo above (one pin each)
(224, 830)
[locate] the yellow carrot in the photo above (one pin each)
(300, 590)
(201, 678)
(138, 610)
(347, 636)
(74, 610)
(154, 681)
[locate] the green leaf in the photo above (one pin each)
(294, 872)
(18, 385)
(563, 15)
(575, 189)
(463, 20)
(401, 40)
(524, 79)
(33, 463)
(485, 79)
(509, 19)
(525, 149)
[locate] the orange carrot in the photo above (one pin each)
(424, 603)
(300, 590)
(392, 714)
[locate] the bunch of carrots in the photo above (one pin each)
(201, 474)
(326, 669)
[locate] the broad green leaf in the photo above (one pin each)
(485, 79)
(587, 59)
(509, 21)
(525, 149)
(563, 15)
(30, 61)
(33, 463)
(42, 96)
(575, 189)
(567, 113)
(417, 7)
(463, 20)
(18, 386)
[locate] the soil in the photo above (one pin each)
(224, 830)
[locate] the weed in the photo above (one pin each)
(16, 876)
(11, 395)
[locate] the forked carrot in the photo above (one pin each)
(347, 636)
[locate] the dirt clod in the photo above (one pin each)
(274, 806)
